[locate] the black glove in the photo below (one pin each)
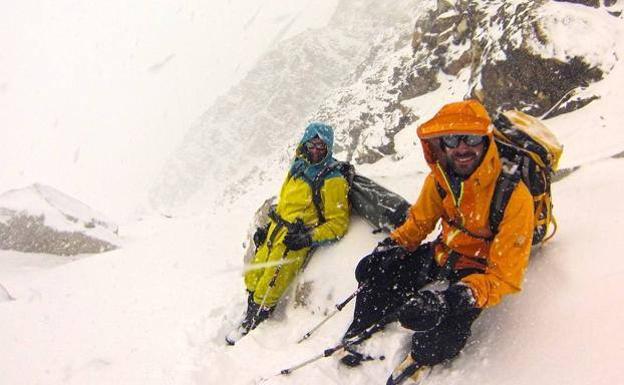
(260, 235)
(460, 298)
(391, 253)
(427, 309)
(383, 259)
(385, 244)
(298, 237)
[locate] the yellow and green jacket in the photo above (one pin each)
(295, 202)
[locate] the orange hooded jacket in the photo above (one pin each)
(503, 258)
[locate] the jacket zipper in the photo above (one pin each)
(456, 200)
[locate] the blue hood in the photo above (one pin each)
(323, 131)
(301, 167)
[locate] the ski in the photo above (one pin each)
(408, 372)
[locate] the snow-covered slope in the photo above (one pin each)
(562, 327)
(156, 311)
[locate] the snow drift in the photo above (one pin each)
(156, 311)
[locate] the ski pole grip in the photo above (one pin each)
(355, 293)
(330, 351)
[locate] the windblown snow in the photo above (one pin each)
(156, 310)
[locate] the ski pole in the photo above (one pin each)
(352, 341)
(271, 285)
(289, 226)
(328, 352)
(339, 307)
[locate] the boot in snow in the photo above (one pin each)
(408, 372)
(352, 356)
(253, 317)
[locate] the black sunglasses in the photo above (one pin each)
(452, 141)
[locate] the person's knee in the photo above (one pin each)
(364, 268)
(439, 345)
(251, 280)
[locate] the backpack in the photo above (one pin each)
(380, 207)
(530, 152)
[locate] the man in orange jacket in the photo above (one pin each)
(479, 266)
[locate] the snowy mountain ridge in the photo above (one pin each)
(369, 83)
(261, 116)
(507, 54)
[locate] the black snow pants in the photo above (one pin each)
(390, 285)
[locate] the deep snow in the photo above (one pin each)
(156, 310)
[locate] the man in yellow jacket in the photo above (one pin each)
(312, 210)
(480, 267)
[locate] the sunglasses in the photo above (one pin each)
(318, 146)
(452, 141)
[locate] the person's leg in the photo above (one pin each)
(275, 279)
(266, 286)
(252, 276)
(387, 286)
(445, 341)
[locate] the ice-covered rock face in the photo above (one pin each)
(535, 56)
(40, 219)
(373, 68)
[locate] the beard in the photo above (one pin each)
(315, 157)
(464, 163)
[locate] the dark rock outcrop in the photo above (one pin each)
(368, 73)
(494, 48)
(589, 3)
(40, 219)
(30, 234)
(534, 84)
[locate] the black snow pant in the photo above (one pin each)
(390, 285)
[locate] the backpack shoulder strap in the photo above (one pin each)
(317, 200)
(317, 185)
(347, 171)
(505, 186)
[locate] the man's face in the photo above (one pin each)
(316, 149)
(463, 157)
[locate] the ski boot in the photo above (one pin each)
(408, 372)
(351, 357)
(253, 317)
